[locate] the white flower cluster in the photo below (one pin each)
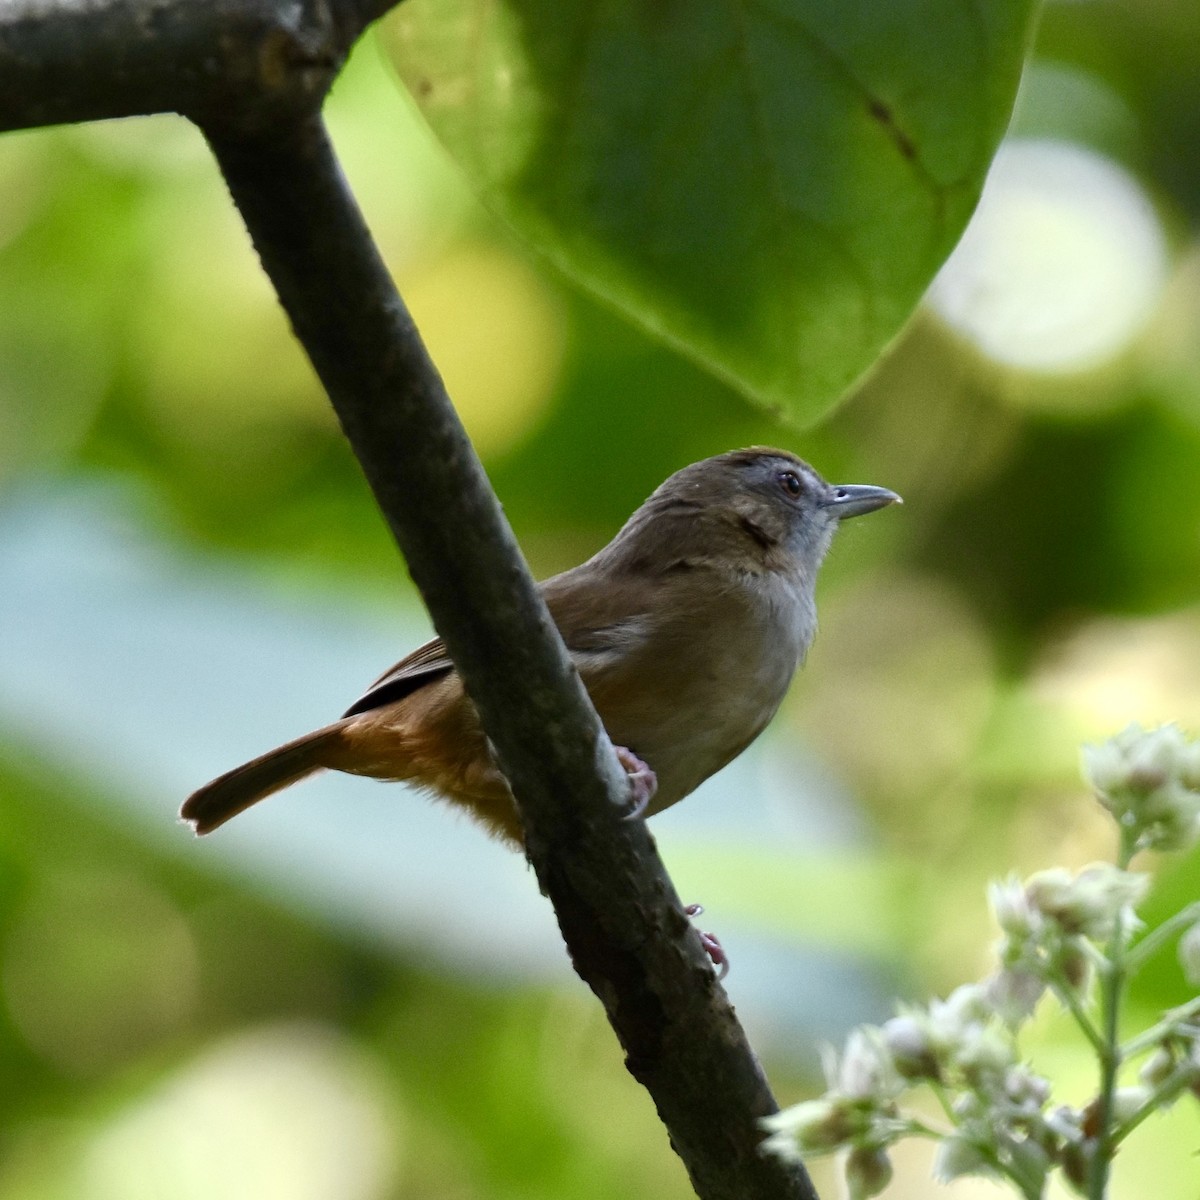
(858, 1113)
(1052, 924)
(961, 1047)
(1060, 929)
(1150, 781)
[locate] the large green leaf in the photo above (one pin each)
(768, 184)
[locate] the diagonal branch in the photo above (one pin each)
(616, 906)
(252, 74)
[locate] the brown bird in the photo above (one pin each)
(686, 630)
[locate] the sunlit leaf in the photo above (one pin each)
(768, 184)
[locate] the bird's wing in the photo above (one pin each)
(599, 621)
(426, 663)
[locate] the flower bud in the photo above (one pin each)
(1153, 758)
(1014, 994)
(1024, 1088)
(1076, 1160)
(868, 1172)
(1150, 781)
(811, 1127)
(1076, 967)
(1011, 908)
(1087, 904)
(1104, 766)
(1127, 1101)
(866, 1070)
(967, 1005)
(1157, 1068)
(1066, 1123)
(1050, 893)
(907, 1041)
(956, 1156)
(985, 1055)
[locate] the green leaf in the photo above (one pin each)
(770, 185)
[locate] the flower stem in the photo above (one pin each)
(1112, 985)
(1162, 1097)
(1029, 1188)
(1070, 1001)
(1153, 941)
(1171, 1022)
(943, 1098)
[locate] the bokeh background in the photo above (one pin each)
(350, 994)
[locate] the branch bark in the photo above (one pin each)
(256, 60)
(616, 906)
(252, 74)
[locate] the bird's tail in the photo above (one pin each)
(231, 793)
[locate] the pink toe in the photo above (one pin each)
(643, 783)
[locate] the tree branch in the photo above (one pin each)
(86, 60)
(616, 905)
(252, 74)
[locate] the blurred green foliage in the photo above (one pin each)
(1039, 587)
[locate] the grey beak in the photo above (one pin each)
(854, 499)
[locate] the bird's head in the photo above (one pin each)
(757, 509)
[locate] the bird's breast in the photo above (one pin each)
(689, 685)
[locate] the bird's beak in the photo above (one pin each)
(854, 499)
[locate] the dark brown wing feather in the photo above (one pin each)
(588, 616)
(426, 663)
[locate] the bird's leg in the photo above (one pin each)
(642, 781)
(710, 942)
(642, 785)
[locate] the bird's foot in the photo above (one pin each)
(711, 943)
(643, 783)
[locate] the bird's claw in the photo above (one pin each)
(711, 943)
(643, 783)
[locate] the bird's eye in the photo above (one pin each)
(790, 482)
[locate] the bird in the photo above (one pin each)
(686, 630)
